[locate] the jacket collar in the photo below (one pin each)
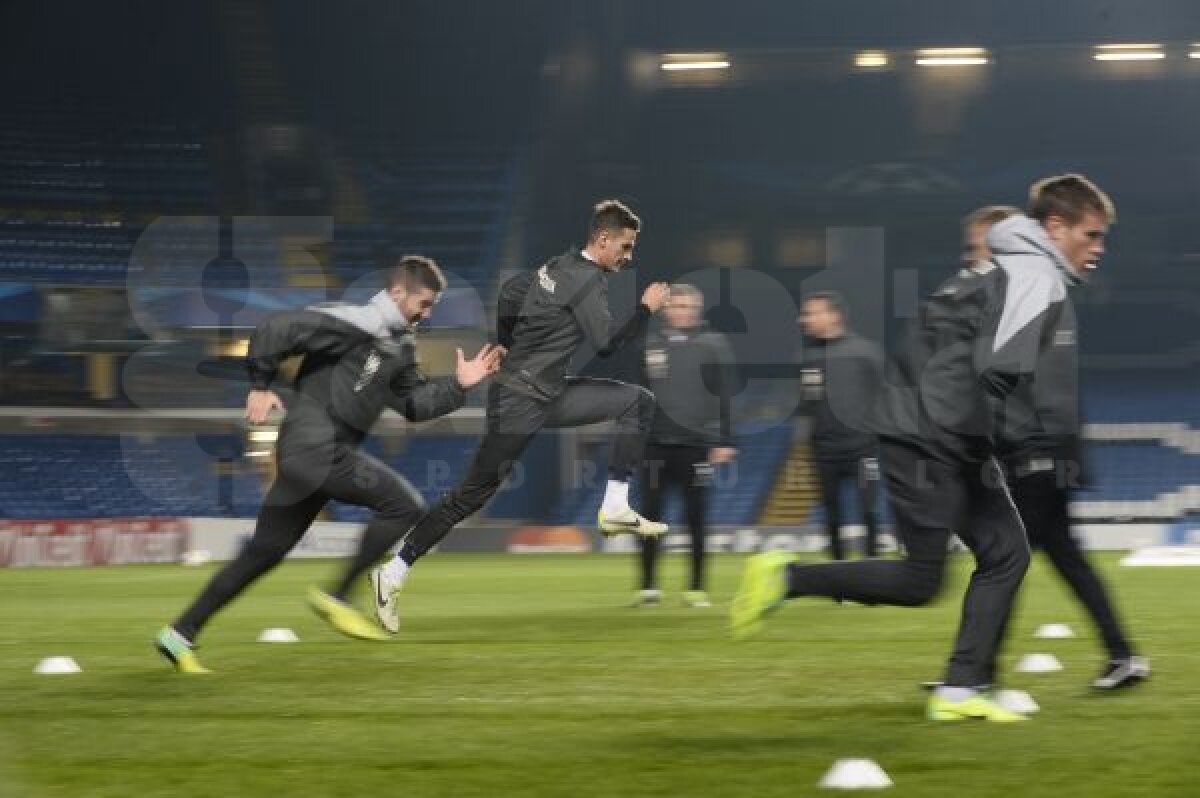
(391, 315)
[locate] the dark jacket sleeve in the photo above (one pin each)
(590, 307)
(424, 398)
(724, 384)
(290, 333)
(509, 306)
(870, 382)
(505, 324)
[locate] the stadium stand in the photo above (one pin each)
(108, 476)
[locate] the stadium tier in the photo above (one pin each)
(52, 163)
(80, 207)
(100, 476)
(108, 476)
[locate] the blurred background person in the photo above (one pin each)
(840, 377)
(691, 371)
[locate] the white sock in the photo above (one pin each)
(956, 694)
(396, 571)
(616, 497)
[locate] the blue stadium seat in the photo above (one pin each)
(98, 476)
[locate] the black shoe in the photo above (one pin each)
(1123, 673)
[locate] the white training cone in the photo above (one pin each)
(1016, 701)
(1039, 663)
(58, 665)
(278, 636)
(855, 774)
(1054, 631)
(195, 557)
(1163, 556)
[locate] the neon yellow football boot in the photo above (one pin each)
(977, 707)
(343, 617)
(762, 590)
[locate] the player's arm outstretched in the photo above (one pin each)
(423, 399)
(602, 333)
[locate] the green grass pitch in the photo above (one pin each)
(531, 676)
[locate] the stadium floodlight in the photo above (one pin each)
(1128, 52)
(1147, 56)
(695, 65)
(1195, 53)
(680, 62)
(952, 56)
(871, 59)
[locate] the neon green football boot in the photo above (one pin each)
(762, 591)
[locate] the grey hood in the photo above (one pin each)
(380, 317)
(1020, 235)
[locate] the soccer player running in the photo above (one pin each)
(544, 317)
(1040, 446)
(691, 371)
(976, 340)
(358, 360)
(839, 380)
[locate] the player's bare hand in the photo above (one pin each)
(720, 455)
(485, 363)
(656, 295)
(259, 405)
